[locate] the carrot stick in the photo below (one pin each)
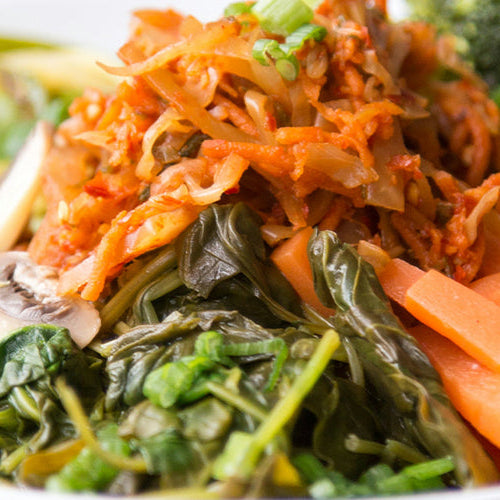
(473, 388)
(459, 313)
(488, 287)
(396, 277)
(291, 259)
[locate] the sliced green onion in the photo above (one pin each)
(237, 8)
(296, 40)
(288, 67)
(267, 51)
(263, 48)
(282, 16)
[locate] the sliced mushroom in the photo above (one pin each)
(21, 184)
(28, 295)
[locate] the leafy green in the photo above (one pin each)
(203, 392)
(222, 255)
(144, 349)
(245, 452)
(185, 379)
(30, 360)
(168, 453)
(203, 352)
(88, 472)
(33, 352)
(140, 351)
(412, 407)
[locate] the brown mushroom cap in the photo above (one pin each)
(28, 295)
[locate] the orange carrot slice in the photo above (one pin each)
(488, 287)
(473, 388)
(291, 259)
(396, 277)
(459, 313)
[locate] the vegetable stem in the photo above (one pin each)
(24, 404)
(72, 405)
(10, 463)
(114, 309)
(289, 404)
(143, 306)
(235, 400)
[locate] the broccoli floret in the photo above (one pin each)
(481, 30)
(475, 23)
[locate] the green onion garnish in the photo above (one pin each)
(288, 67)
(268, 51)
(282, 16)
(265, 50)
(300, 36)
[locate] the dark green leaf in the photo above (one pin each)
(31, 352)
(168, 453)
(146, 348)
(225, 242)
(413, 407)
(30, 359)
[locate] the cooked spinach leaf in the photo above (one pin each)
(223, 253)
(412, 405)
(148, 347)
(30, 360)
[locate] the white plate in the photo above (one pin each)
(102, 25)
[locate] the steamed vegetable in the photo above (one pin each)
(30, 360)
(218, 379)
(459, 313)
(418, 411)
(472, 387)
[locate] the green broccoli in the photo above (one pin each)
(475, 23)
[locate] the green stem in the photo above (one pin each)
(75, 411)
(357, 445)
(24, 404)
(286, 407)
(396, 449)
(143, 306)
(10, 463)
(120, 302)
(235, 400)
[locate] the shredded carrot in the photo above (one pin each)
(344, 127)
